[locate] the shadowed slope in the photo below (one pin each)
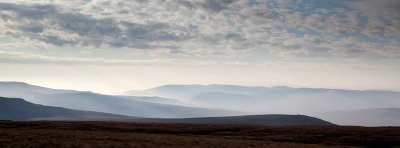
(19, 109)
(273, 119)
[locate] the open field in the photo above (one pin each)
(117, 134)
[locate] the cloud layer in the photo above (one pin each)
(363, 29)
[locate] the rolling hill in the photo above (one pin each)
(339, 106)
(273, 119)
(19, 109)
(124, 105)
(278, 99)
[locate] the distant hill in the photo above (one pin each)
(186, 92)
(155, 99)
(19, 109)
(340, 106)
(124, 105)
(26, 91)
(280, 99)
(274, 119)
(12, 88)
(365, 117)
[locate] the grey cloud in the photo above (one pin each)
(79, 29)
(321, 50)
(33, 28)
(216, 5)
(208, 5)
(202, 27)
(234, 36)
(54, 40)
(186, 4)
(23, 58)
(294, 46)
(86, 26)
(387, 6)
(30, 12)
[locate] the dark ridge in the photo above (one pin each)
(19, 109)
(273, 119)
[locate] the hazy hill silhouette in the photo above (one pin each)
(124, 105)
(19, 109)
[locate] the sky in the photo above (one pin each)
(111, 46)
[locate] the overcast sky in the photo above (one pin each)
(116, 45)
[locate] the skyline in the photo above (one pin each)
(113, 46)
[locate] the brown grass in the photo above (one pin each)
(113, 134)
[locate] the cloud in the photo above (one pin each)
(299, 29)
(191, 53)
(29, 58)
(388, 7)
(213, 6)
(25, 58)
(47, 24)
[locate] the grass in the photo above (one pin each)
(115, 134)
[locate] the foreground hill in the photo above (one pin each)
(275, 119)
(19, 109)
(123, 134)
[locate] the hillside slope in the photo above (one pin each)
(273, 119)
(19, 109)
